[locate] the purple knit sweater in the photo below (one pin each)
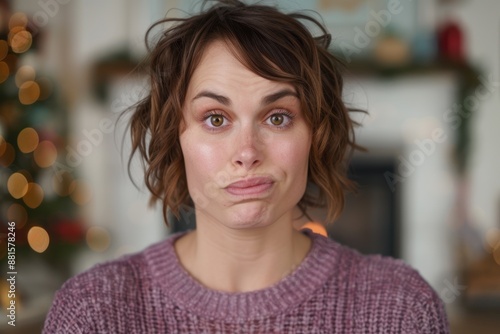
(334, 290)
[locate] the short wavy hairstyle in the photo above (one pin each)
(272, 44)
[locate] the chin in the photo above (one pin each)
(249, 216)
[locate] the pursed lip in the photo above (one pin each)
(250, 186)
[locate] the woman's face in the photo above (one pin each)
(245, 144)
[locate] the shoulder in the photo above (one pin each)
(400, 289)
(104, 289)
(385, 288)
(111, 276)
(374, 272)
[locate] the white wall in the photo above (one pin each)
(481, 22)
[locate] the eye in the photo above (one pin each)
(277, 119)
(280, 120)
(216, 120)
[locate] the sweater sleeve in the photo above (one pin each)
(95, 301)
(71, 311)
(400, 298)
(429, 316)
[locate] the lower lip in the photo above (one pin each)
(255, 190)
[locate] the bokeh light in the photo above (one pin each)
(38, 239)
(8, 155)
(4, 49)
(4, 71)
(316, 228)
(496, 255)
(80, 192)
(27, 140)
(29, 92)
(3, 145)
(17, 213)
(11, 60)
(17, 185)
(26, 174)
(34, 195)
(13, 32)
(18, 20)
(61, 183)
(45, 154)
(21, 42)
(24, 74)
(98, 238)
(492, 239)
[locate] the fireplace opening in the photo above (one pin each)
(369, 222)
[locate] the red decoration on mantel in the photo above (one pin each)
(451, 40)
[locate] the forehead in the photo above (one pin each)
(220, 65)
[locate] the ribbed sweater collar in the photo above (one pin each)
(187, 293)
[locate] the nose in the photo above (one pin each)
(248, 148)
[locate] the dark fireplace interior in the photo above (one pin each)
(369, 222)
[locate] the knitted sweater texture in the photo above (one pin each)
(334, 290)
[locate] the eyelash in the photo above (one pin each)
(283, 112)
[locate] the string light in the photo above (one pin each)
(26, 174)
(97, 238)
(8, 156)
(27, 140)
(496, 255)
(18, 20)
(80, 192)
(38, 239)
(24, 73)
(29, 92)
(12, 33)
(17, 213)
(3, 145)
(4, 71)
(45, 154)
(4, 49)
(34, 195)
(21, 42)
(11, 61)
(17, 185)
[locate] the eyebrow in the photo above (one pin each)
(266, 100)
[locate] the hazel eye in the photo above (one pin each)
(280, 120)
(277, 119)
(217, 120)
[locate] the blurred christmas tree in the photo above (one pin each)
(36, 193)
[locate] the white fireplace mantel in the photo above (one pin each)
(409, 119)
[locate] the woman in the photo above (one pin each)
(244, 112)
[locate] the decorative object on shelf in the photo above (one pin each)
(451, 42)
(424, 47)
(391, 50)
(450, 35)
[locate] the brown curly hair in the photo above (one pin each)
(272, 44)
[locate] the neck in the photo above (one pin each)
(240, 260)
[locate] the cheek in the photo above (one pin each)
(201, 158)
(293, 155)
